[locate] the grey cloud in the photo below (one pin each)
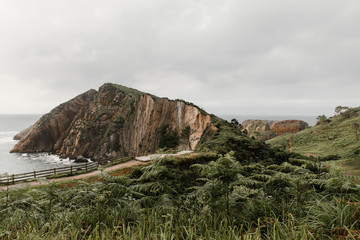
(240, 57)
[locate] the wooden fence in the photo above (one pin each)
(30, 176)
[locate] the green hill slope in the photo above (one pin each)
(336, 138)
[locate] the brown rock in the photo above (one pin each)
(288, 126)
(265, 129)
(259, 129)
(48, 132)
(23, 133)
(115, 121)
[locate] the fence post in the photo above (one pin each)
(34, 174)
(13, 179)
(86, 167)
(71, 170)
(54, 171)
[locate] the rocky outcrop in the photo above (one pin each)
(23, 133)
(288, 126)
(47, 134)
(116, 121)
(265, 129)
(259, 129)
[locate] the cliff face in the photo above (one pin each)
(288, 126)
(265, 130)
(115, 121)
(259, 129)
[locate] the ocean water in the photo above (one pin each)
(311, 120)
(13, 163)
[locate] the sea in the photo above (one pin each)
(13, 163)
(311, 120)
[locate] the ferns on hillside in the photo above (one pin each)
(221, 198)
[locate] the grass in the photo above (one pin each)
(351, 166)
(128, 91)
(336, 141)
(348, 167)
(240, 189)
(164, 200)
(334, 138)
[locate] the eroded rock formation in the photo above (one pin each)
(116, 121)
(265, 129)
(288, 126)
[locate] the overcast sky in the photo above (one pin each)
(287, 57)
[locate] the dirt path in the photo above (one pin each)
(154, 156)
(130, 163)
(138, 161)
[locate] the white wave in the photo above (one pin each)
(46, 158)
(7, 137)
(7, 140)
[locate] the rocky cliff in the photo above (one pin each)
(116, 121)
(259, 129)
(265, 130)
(288, 126)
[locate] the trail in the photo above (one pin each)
(138, 161)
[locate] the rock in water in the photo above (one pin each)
(81, 159)
(113, 122)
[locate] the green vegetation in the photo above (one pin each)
(119, 121)
(200, 196)
(127, 91)
(168, 138)
(185, 133)
(235, 187)
(246, 150)
(337, 137)
(334, 140)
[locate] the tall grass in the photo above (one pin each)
(207, 199)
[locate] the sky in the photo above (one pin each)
(279, 57)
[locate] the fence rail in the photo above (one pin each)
(30, 176)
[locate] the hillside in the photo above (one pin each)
(338, 137)
(335, 140)
(232, 187)
(251, 192)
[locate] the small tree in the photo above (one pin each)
(321, 120)
(341, 109)
(234, 122)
